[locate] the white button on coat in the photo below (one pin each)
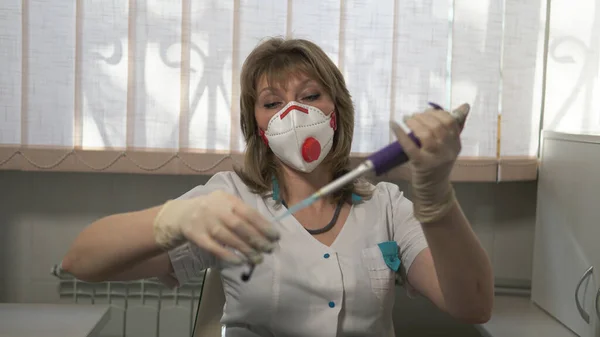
(305, 288)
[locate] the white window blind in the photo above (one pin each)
(10, 68)
(522, 82)
(153, 86)
(102, 92)
(573, 74)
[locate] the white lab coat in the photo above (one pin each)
(305, 288)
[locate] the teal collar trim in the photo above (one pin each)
(277, 194)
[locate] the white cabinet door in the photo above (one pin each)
(567, 239)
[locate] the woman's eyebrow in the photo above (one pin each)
(301, 85)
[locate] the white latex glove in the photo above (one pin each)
(215, 222)
(431, 165)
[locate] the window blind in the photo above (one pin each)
(153, 86)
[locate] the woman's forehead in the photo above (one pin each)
(284, 82)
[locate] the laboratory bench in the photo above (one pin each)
(52, 320)
(518, 316)
(513, 316)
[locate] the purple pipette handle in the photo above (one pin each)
(390, 156)
(393, 155)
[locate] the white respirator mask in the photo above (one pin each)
(300, 135)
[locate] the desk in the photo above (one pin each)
(52, 320)
(518, 316)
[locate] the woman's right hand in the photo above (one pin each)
(216, 222)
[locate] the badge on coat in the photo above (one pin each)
(389, 250)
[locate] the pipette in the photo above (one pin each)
(379, 162)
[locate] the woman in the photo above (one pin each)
(330, 269)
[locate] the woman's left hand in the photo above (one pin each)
(439, 134)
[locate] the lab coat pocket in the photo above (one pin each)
(380, 275)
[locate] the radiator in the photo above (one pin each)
(142, 308)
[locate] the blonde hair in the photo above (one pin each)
(277, 59)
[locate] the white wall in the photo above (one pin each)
(41, 213)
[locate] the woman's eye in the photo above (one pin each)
(271, 105)
(311, 98)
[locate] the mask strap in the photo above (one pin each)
(262, 136)
(333, 120)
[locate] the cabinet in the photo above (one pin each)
(566, 262)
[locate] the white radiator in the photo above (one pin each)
(143, 308)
